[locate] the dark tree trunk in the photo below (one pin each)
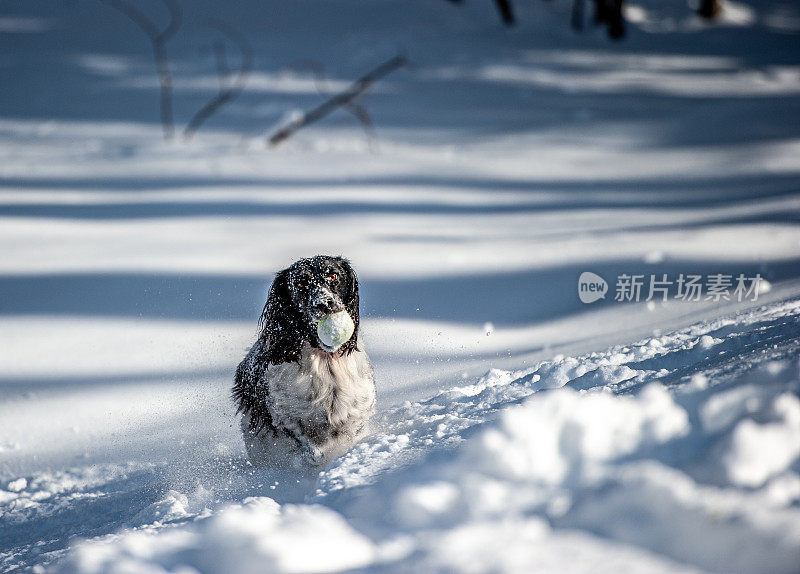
(616, 23)
(602, 11)
(709, 9)
(609, 13)
(576, 18)
(506, 13)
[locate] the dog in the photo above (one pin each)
(303, 402)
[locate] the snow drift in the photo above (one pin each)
(698, 474)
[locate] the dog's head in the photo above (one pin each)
(300, 296)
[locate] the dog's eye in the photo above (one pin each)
(333, 277)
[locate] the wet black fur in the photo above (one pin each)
(284, 328)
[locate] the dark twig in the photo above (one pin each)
(360, 113)
(231, 84)
(503, 7)
(341, 100)
(318, 70)
(576, 18)
(221, 63)
(506, 12)
(709, 9)
(159, 39)
(321, 83)
(616, 23)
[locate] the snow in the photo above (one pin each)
(256, 536)
(488, 477)
(759, 451)
(518, 429)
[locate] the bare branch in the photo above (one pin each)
(159, 39)
(320, 81)
(341, 100)
(231, 84)
(576, 17)
(221, 63)
(709, 9)
(321, 84)
(506, 12)
(361, 114)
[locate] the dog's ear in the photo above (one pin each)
(351, 304)
(281, 323)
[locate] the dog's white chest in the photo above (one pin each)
(325, 398)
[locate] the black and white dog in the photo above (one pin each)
(302, 401)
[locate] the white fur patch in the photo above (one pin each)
(325, 401)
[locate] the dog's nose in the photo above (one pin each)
(326, 306)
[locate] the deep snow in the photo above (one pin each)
(677, 453)
(604, 437)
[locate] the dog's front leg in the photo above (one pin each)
(313, 455)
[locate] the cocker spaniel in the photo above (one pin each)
(306, 389)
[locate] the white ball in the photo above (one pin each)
(336, 329)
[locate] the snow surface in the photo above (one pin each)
(518, 429)
(648, 470)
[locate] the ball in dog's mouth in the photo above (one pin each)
(335, 330)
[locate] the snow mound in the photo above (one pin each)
(624, 468)
(682, 457)
(758, 451)
(257, 536)
(563, 434)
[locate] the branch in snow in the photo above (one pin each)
(159, 39)
(576, 16)
(358, 111)
(344, 99)
(506, 12)
(231, 84)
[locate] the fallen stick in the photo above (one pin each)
(158, 38)
(231, 85)
(341, 100)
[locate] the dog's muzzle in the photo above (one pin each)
(324, 303)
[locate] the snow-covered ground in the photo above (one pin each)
(518, 428)
(676, 453)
